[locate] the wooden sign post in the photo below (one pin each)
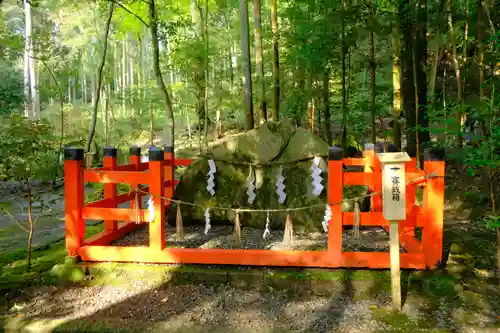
(394, 210)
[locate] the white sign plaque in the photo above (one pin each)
(393, 185)
(393, 193)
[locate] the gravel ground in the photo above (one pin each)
(222, 236)
(181, 308)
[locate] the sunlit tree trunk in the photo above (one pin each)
(276, 62)
(29, 70)
(170, 124)
(247, 69)
(84, 85)
(124, 74)
(396, 86)
(99, 77)
(371, 13)
(326, 106)
(262, 106)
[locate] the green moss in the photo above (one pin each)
(14, 271)
(433, 285)
(399, 322)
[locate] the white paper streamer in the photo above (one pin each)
(326, 219)
(316, 176)
(151, 209)
(280, 186)
(267, 231)
(250, 186)
(210, 179)
(207, 221)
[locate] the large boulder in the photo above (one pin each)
(277, 143)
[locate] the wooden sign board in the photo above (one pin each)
(393, 185)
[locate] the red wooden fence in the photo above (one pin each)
(157, 178)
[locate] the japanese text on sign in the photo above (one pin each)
(395, 188)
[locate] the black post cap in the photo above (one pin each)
(392, 148)
(110, 152)
(135, 151)
(412, 151)
(156, 154)
(335, 153)
(73, 154)
(168, 149)
(434, 154)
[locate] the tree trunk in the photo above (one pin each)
(105, 115)
(423, 135)
(29, 71)
(396, 84)
(206, 69)
(407, 84)
(247, 69)
(438, 54)
(99, 77)
(170, 125)
(372, 71)
(276, 62)
(344, 91)
(480, 46)
(326, 106)
(31, 222)
(262, 106)
(456, 68)
(124, 74)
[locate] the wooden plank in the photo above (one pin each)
(371, 219)
(354, 161)
(247, 257)
(335, 189)
(360, 178)
(207, 256)
(395, 268)
(74, 202)
(432, 234)
(110, 192)
(119, 214)
(110, 177)
(106, 237)
(381, 260)
(157, 190)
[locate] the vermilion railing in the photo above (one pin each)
(156, 177)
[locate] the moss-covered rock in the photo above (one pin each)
(272, 142)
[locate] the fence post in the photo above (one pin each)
(432, 233)
(169, 173)
(110, 190)
(134, 158)
(156, 190)
(74, 200)
(335, 189)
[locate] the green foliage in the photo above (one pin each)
(11, 88)
(27, 149)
